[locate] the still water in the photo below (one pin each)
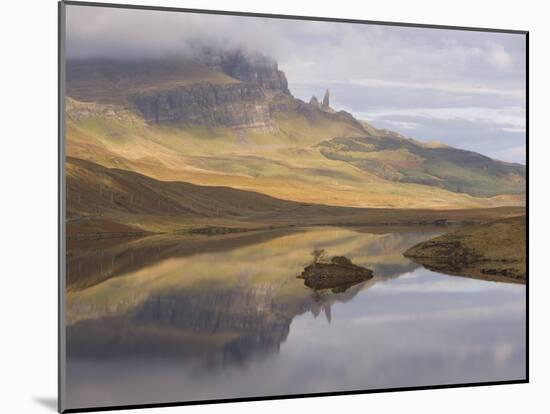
(159, 320)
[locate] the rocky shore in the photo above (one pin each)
(335, 275)
(491, 251)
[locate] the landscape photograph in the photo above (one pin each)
(261, 206)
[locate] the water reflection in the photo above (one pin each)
(226, 317)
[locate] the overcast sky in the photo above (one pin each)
(466, 89)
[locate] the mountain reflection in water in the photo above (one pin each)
(164, 319)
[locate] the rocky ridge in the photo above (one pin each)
(324, 105)
(239, 90)
(254, 68)
(238, 106)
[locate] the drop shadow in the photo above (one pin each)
(48, 402)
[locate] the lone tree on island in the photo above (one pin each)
(319, 255)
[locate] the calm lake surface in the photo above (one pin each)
(158, 320)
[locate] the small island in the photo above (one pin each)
(493, 251)
(337, 274)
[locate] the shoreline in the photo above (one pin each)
(494, 251)
(95, 228)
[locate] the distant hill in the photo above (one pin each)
(228, 118)
(119, 202)
(398, 159)
(97, 188)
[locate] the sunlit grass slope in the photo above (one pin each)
(288, 164)
(115, 200)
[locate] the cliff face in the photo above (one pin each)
(214, 88)
(240, 105)
(236, 105)
(252, 68)
(234, 89)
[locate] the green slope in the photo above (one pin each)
(402, 160)
(105, 201)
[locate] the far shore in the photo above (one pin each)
(111, 227)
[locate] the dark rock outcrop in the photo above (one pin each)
(334, 275)
(326, 100)
(324, 105)
(314, 101)
(251, 68)
(242, 105)
(213, 87)
(490, 251)
(236, 105)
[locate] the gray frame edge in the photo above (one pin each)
(61, 191)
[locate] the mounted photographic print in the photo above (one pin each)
(257, 206)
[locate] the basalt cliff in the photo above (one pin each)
(216, 89)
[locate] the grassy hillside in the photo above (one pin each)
(299, 152)
(398, 159)
(119, 190)
(286, 164)
(110, 201)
